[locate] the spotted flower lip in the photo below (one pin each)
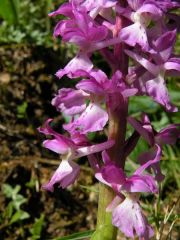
(128, 217)
(65, 175)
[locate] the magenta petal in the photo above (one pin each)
(135, 4)
(135, 34)
(90, 86)
(156, 88)
(115, 202)
(69, 101)
(93, 119)
(173, 64)
(147, 135)
(128, 217)
(105, 157)
(80, 62)
(168, 135)
(63, 141)
(65, 175)
(164, 44)
(83, 151)
(56, 145)
(97, 34)
(151, 159)
(100, 178)
(65, 9)
(137, 183)
(129, 92)
(152, 68)
(152, 9)
(113, 175)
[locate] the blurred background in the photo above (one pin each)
(29, 57)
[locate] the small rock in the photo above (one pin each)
(5, 78)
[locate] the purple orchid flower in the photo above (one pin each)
(84, 108)
(129, 218)
(168, 135)
(126, 212)
(113, 176)
(79, 28)
(141, 13)
(70, 149)
(153, 80)
(98, 89)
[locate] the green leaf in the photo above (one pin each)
(37, 228)
(19, 215)
(9, 10)
(21, 110)
(77, 236)
(8, 211)
(7, 190)
(31, 184)
(10, 192)
(18, 200)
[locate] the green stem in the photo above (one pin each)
(104, 230)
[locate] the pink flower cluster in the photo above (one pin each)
(144, 31)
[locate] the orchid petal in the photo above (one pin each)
(94, 118)
(134, 34)
(152, 68)
(172, 64)
(56, 145)
(80, 62)
(151, 159)
(157, 90)
(69, 101)
(113, 175)
(168, 135)
(83, 151)
(147, 135)
(65, 175)
(128, 217)
(136, 183)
